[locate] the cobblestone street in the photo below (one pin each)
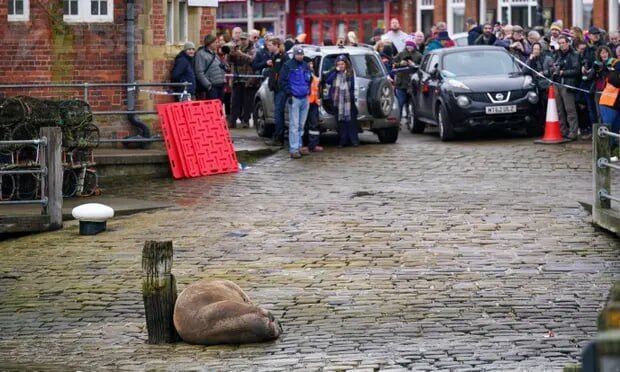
(419, 255)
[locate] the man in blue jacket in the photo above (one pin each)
(295, 79)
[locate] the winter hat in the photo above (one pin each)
(341, 57)
(209, 39)
(556, 27)
(378, 32)
(244, 35)
(594, 31)
(410, 43)
(443, 35)
(188, 45)
(298, 51)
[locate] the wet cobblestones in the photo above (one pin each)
(421, 255)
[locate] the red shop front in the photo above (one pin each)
(330, 19)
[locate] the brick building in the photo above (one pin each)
(322, 19)
(63, 41)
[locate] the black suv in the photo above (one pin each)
(471, 87)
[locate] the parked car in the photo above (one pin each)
(377, 109)
(460, 39)
(458, 89)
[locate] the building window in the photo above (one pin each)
(19, 10)
(424, 16)
(517, 12)
(176, 22)
(456, 16)
(98, 7)
(88, 11)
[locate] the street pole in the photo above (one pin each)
(250, 15)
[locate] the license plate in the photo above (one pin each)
(501, 109)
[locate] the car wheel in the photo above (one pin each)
(388, 135)
(380, 98)
(413, 124)
(446, 132)
(262, 128)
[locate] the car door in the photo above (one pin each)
(366, 68)
(428, 87)
(416, 86)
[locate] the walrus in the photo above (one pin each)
(211, 312)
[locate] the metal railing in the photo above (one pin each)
(48, 165)
(132, 88)
(603, 163)
(40, 170)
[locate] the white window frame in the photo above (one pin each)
(84, 15)
(452, 5)
(516, 3)
(423, 5)
(20, 17)
(174, 31)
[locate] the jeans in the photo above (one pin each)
(280, 101)
(403, 98)
(298, 112)
(612, 117)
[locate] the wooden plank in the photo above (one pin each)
(53, 156)
(19, 224)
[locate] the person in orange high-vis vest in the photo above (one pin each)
(312, 123)
(609, 103)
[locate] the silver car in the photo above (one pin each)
(377, 109)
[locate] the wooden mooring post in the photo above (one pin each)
(159, 291)
(51, 158)
(603, 214)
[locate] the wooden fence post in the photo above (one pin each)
(52, 159)
(159, 291)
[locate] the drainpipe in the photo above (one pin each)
(141, 128)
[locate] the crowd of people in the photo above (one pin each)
(581, 65)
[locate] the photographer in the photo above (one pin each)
(407, 58)
(209, 71)
(243, 89)
(566, 70)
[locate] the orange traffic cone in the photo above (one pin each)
(553, 134)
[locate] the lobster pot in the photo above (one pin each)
(75, 113)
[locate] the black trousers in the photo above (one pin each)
(348, 133)
(311, 130)
(237, 102)
(248, 104)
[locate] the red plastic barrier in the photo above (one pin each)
(197, 138)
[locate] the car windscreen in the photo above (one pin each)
(478, 63)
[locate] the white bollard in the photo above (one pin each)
(92, 217)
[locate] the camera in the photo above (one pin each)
(229, 47)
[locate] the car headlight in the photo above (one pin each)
(457, 84)
(532, 97)
(463, 101)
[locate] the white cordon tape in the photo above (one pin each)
(546, 78)
(162, 93)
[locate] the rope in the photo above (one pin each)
(546, 78)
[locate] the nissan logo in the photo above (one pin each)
(499, 96)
